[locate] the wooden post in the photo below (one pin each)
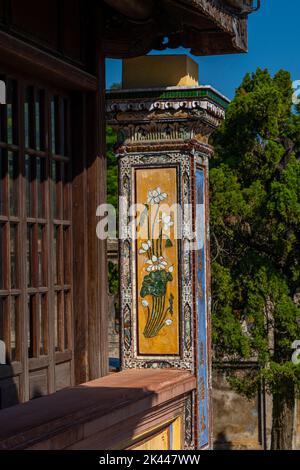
(90, 274)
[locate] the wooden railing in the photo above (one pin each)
(130, 409)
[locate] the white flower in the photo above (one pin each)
(145, 247)
(155, 196)
(156, 264)
(162, 261)
(145, 303)
(171, 269)
(167, 221)
(169, 322)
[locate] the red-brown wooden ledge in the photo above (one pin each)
(77, 417)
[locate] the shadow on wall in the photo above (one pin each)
(9, 394)
(10, 387)
(221, 442)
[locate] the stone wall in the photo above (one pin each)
(241, 424)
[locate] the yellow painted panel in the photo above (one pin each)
(157, 263)
(169, 438)
(177, 434)
(158, 442)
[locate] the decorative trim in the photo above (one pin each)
(189, 423)
(169, 94)
(167, 147)
(130, 357)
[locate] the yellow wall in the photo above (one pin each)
(160, 71)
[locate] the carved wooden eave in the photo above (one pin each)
(207, 27)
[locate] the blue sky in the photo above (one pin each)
(274, 43)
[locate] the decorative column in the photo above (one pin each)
(163, 155)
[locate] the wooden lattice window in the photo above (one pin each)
(10, 225)
(36, 235)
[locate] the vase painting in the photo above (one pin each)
(157, 262)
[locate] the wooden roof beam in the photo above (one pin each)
(134, 9)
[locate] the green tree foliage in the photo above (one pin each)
(116, 86)
(113, 278)
(112, 198)
(112, 168)
(255, 224)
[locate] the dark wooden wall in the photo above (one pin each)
(58, 44)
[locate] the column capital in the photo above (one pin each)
(171, 118)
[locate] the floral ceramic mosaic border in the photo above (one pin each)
(185, 164)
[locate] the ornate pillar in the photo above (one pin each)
(163, 155)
